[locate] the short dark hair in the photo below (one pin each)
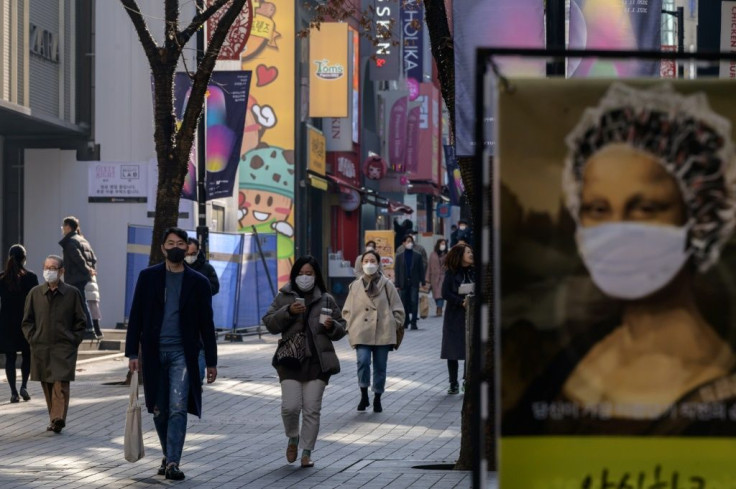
(371, 242)
(179, 232)
(298, 264)
(72, 222)
(462, 221)
(193, 241)
(408, 236)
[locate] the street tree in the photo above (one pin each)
(173, 141)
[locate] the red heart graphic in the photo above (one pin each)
(380, 62)
(265, 75)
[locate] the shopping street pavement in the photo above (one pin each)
(239, 441)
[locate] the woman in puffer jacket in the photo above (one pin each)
(373, 311)
(301, 306)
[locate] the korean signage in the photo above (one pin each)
(316, 151)
(412, 46)
(385, 56)
(601, 295)
(329, 70)
(728, 38)
(117, 182)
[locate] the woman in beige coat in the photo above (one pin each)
(373, 311)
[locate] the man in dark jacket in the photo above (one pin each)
(79, 264)
(171, 319)
(196, 260)
(53, 324)
(409, 274)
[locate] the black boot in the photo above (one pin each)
(96, 326)
(377, 408)
(364, 402)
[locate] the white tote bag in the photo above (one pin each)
(133, 440)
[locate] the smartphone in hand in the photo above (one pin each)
(300, 300)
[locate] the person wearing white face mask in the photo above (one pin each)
(53, 323)
(196, 260)
(436, 272)
(374, 315)
(650, 182)
(358, 267)
(304, 308)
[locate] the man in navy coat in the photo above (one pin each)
(171, 319)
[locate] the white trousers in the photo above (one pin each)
(305, 398)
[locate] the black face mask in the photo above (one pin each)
(175, 255)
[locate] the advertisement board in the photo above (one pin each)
(329, 78)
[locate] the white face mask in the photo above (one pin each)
(51, 276)
(409, 246)
(370, 268)
(305, 282)
(190, 259)
(628, 260)
(369, 248)
(462, 228)
(443, 247)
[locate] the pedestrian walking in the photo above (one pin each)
(92, 295)
(54, 323)
(373, 311)
(458, 283)
(358, 267)
(409, 275)
(15, 284)
(171, 320)
(436, 273)
(304, 310)
(80, 264)
(197, 261)
(417, 248)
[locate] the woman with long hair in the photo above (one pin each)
(15, 283)
(303, 307)
(458, 283)
(436, 272)
(374, 312)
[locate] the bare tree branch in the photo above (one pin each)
(171, 9)
(147, 41)
(199, 20)
(204, 72)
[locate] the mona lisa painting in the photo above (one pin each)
(617, 205)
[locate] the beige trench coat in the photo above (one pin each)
(373, 321)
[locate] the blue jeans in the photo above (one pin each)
(170, 413)
(380, 359)
(410, 299)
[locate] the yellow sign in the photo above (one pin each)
(385, 247)
(316, 146)
(328, 70)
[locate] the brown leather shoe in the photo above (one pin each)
(291, 452)
(307, 462)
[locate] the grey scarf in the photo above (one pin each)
(370, 284)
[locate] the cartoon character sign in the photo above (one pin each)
(265, 198)
(375, 167)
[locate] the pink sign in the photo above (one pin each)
(397, 134)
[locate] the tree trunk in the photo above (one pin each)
(444, 56)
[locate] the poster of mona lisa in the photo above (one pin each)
(617, 282)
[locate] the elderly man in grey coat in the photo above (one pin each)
(53, 323)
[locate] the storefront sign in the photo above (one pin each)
(374, 167)
(338, 133)
(316, 147)
(728, 38)
(44, 43)
(385, 56)
(117, 182)
(328, 70)
(350, 200)
(393, 108)
(412, 46)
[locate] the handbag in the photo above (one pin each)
(290, 352)
(423, 305)
(133, 439)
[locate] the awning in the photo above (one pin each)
(423, 187)
(345, 186)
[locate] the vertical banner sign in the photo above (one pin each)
(728, 38)
(385, 57)
(618, 369)
(328, 70)
(316, 158)
(614, 24)
(427, 167)
(234, 42)
(355, 83)
(498, 23)
(454, 178)
(412, 45)
(266, 197)
(225, 105)
(394, 107)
